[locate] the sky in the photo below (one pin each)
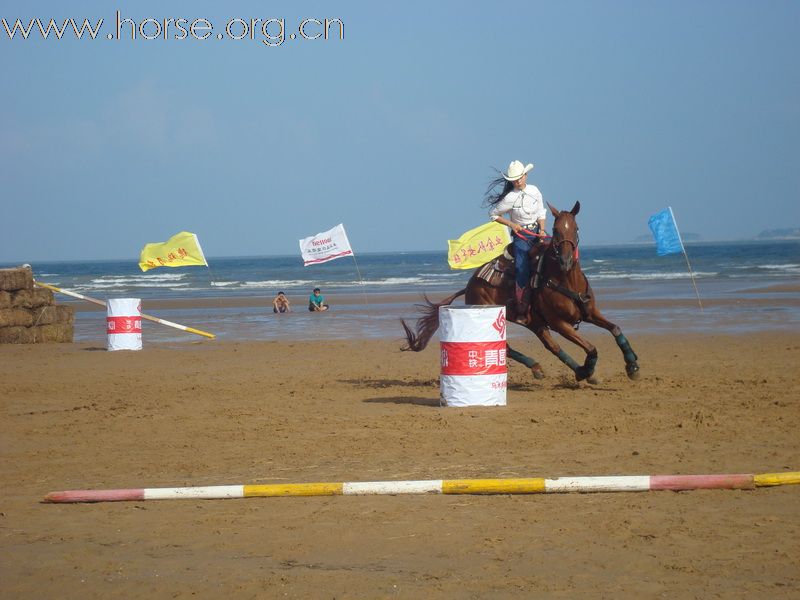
(397, 129)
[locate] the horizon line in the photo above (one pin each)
(12, 263)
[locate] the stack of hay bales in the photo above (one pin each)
(29, 315)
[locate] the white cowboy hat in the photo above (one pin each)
(516, 170)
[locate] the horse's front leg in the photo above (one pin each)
(587, 370)
(547, 340)
(631, 364)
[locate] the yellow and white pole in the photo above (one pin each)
(534, 485)
(144, 316)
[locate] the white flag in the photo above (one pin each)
(325, 246)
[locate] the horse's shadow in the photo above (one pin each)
(377, 384)
(417, 401)
(385, 383)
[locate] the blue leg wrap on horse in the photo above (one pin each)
(520, 357)
(627, 351)
(567, 360)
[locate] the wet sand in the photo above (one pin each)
(377, 316)
(222, 412)
(616, 297)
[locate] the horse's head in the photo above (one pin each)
(565, 236)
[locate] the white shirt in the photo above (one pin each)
(524, 207)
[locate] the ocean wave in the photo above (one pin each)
(145, 276)
(277, 283)
(769, 267)
(653, 276)
(395, 281)
(224, 283)
(127, 284)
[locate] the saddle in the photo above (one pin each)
(500, 271)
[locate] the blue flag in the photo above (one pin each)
(665, 230)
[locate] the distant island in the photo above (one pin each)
(789, 233)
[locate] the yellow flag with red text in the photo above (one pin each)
(477, 246)
(181, 250)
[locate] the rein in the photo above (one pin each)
(529, 233)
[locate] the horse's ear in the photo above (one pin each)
(576, 209)
(552, 209)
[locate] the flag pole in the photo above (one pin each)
(686, 256)
(208, 266)
(355, 262)
(360, 280)
(144, 316)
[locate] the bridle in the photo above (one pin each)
(558, 242)
(581, 299)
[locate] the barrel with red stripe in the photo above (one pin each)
(473, 355)
(124, 323)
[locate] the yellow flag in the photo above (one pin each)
(477, 246)
(181, 250)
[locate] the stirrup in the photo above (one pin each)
(523, 316)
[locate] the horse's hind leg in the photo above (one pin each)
(631, 364)
(529, 362)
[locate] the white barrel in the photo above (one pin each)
(473, 355)
(124, 323)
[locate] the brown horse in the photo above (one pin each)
(561, 299)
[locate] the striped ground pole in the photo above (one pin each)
(537, 485)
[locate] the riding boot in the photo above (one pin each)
(523, 296)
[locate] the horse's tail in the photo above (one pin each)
(427, 324)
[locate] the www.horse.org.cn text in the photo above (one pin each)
(271, 32)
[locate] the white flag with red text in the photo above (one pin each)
(325, 246)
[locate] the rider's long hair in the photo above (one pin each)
(497, 190)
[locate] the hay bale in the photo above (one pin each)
(15, 335)
(32, 298)
(49, 315)
(5, 299)
(57, 332)
(18, 278)
(16, 317)
(40, 334)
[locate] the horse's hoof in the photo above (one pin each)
(593, 380)
(537, 371)
(582, 373)
(632, 369)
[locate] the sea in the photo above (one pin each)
(742, 286)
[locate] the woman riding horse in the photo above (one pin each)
(526, 217)
(562, 301)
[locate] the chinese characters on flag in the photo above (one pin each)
(181, 250)
(477, 246)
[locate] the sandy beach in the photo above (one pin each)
(216, 412)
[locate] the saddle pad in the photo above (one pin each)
(491, 274)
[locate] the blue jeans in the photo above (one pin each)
(522, 263)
